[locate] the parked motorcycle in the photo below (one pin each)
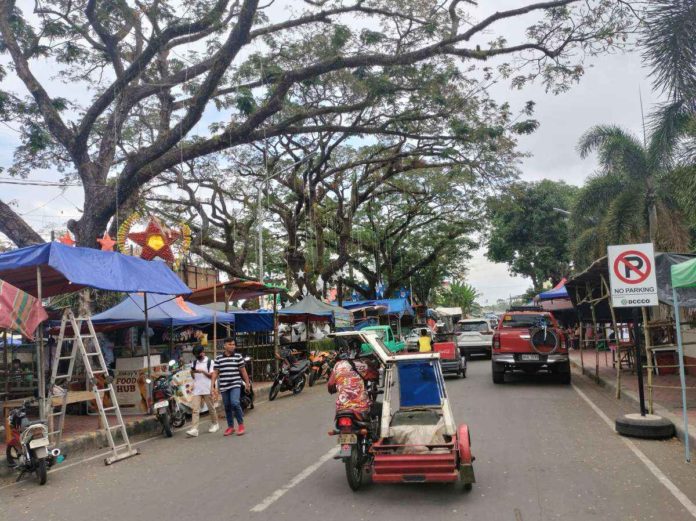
(27, 450)
(247, 399)
(167, 408)
(321, 365)
(291, 377)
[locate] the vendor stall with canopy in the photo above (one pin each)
(50, 269)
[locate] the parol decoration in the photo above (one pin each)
(66, 239)
(156, 240)
(106, 242)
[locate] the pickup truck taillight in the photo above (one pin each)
(496, 341)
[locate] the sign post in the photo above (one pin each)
(634, 285)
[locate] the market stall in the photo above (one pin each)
(311, 310)
(393, 311)
(611, 329)
(51, 269)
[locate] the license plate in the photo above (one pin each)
(529, 357)
(160, 405)
(347, 439)
(43, 442)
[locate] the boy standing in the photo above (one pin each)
(229, 374)
(202, 370)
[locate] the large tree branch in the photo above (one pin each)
(16, 228)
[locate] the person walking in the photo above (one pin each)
(229, 374)
(203, 371)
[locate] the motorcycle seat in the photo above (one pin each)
(299, 366)
(35, 422)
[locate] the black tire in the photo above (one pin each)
(467, 487)
(562, 372)
(42, 471)
(354, 470)
(166, 422)
(313, 377)
(273, 392)
(178, 420)
(651, 426)
(497, 373)
(463, 373)
(297, 388)
(12, 455)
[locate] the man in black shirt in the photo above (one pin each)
(229, 374)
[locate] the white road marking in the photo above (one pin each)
(673, 489)
(293, 482)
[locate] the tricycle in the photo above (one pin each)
(410, 435)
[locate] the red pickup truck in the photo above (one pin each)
(529, 341)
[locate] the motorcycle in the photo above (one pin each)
(167, 408)
(321, 365)
(247, 399)
(292, 375)
(357, 432)
(27, 450)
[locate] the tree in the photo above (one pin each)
(529, 233)
(629, 199)
(144, 77)
(459, 294)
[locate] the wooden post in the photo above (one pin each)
(616, 337)
(39, 351)
(648, 355)
(594, 330)
(215, 321)
(276, 340)
(7, 368)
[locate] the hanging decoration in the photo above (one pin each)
(156, 240)
(106, 242)
(66, 239)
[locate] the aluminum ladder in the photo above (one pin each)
(95, 365)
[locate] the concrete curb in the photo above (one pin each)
(633, 398)
(97, 439)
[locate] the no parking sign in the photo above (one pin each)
(632, 275)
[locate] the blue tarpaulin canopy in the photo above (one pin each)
(553, 294)
(252, 321)
(65, 269)
(163, 311)
(392, 306)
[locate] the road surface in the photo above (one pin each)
(544, 451)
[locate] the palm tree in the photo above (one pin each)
(630, 199)
(459, 294)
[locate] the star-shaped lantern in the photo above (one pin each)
(66, 239)
(106, 242)
(155, 241)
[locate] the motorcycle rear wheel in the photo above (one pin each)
(299, 385)
(178, 420)
(354, 470)
(42, 471)
(12, 454)
(166, 425)
(275, 389)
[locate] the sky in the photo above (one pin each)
(608, 93)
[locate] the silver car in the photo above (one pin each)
(474, 337)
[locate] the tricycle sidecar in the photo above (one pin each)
(417, 440)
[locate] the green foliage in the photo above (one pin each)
(458, 294)
(629, 199)
(528, 234)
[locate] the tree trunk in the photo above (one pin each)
(16, 229)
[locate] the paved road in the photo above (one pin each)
(542, 453)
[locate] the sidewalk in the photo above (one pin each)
(82, 432)
(667, 402)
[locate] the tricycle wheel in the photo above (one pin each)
(468, 487)
(354, 470)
